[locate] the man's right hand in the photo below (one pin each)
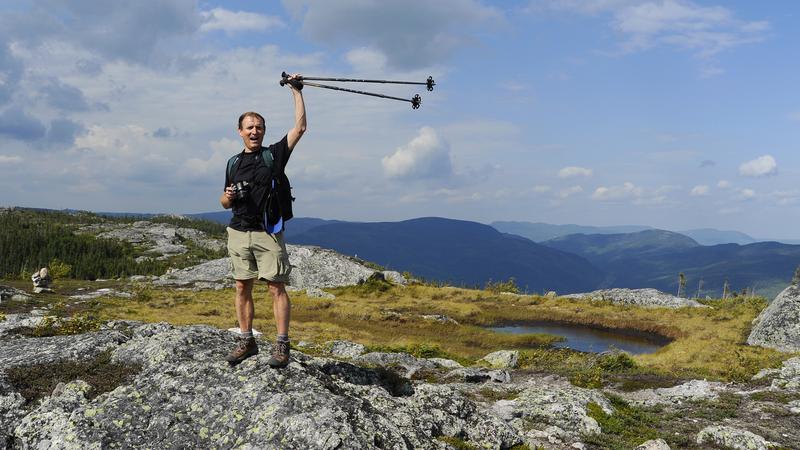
(227, 198)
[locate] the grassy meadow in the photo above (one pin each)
(706, 342)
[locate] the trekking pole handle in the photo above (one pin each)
(297, 83)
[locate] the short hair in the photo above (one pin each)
(252, 114)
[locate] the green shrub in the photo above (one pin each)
(456, 443)
(591, 378)
(59, 269)
(616, 362)
(497, 287)
(626, 428)
(58, 326)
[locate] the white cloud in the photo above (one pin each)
(539, 189)
(220, 19)
(699, 191)
(10, 159)
(723, 184)
(784, 198)
(727, 211)
(703, 30)
(138, 32)
(627, 190)
(759, 167)
(746, 194)
(214, 165)
(426, 156)
(564, 193)
(366, 60)
(412, 34)
(573, 171)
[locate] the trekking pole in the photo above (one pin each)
(415, 101)
(429, 83)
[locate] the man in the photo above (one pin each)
(256, 251)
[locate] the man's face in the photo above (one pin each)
(252, 133)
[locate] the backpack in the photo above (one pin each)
(277, 204)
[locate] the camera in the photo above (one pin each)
(241, 189)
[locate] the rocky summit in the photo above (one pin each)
(186, 396)
(180, 393)
(778, 325)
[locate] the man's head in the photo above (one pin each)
(251, 129)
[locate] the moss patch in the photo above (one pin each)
(625, 429)
(38, 381)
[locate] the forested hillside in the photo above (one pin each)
(31, 239)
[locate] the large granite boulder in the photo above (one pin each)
(312, 267)
(559, 408)
(778, 325)
(187, 396)
(322, 268)
(730, 437)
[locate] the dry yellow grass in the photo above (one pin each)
(707, 341)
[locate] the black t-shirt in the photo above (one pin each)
(250, 168)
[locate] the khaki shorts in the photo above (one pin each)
(257, 254)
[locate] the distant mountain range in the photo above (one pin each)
(540, 232)
(470, 253)
(457, 252)
(654, 258)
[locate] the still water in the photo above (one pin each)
(581, 338)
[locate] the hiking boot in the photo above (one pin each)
(280, 355)
(245, 348)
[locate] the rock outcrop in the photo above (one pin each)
(690, 391)
(778, 325)
(183, 395)
(559, 404)
(656, 444)
(651, 298)
(734, 438)
(502, 359)
(186, 396)
(9, 293)
(214, 274)
(787, 377)
(312, 267)
(160, 239)
(322, 268)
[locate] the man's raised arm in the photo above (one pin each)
(296, 133)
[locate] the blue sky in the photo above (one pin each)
(670, 113)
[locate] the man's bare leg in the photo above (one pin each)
(281, 308)
(247, 346)
(244, 304)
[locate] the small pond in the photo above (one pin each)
(585, 339)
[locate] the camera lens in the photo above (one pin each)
(240, 189)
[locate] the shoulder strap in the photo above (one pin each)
(267, 155)
(231, 163)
